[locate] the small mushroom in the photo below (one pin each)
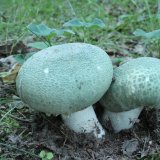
(137, 84)
(67, 79)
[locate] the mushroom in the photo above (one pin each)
(137, 84)
(66, 80)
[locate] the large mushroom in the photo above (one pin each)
(67, 80)
(137, 84)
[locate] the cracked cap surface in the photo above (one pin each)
(137, 83)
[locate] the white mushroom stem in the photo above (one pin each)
(84, 121)
(122, 120)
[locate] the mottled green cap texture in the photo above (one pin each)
(136, 84)
(64, 78)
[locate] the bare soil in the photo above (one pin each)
(37, 132)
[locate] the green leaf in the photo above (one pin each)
(38, 45)
(19, 58)
(42, 154)
(74, 23)
(117, 60)
(28, 55)
(124, 16)
(49, 155)
(61, 32)
(139, 32)
(149, 35)
(96, 23)
(77, 23)
(158, 15)
(40, 29)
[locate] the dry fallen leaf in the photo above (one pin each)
(130, 146)
(10, 76)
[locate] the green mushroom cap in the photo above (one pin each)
(65, 78)
(137, 83)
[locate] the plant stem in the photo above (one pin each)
(16, 118)
(71, 7)
(158, 4)
(150, 15)
(43, 39)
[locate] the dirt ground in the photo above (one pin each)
(133, 144)
(36, 132)
(49, 133)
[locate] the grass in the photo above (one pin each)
(122, 18)
(53, 13)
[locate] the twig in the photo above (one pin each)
(21, 150)
(16, 118)
(7, 113)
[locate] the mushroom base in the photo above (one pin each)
(122, 120)
(84, 121)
